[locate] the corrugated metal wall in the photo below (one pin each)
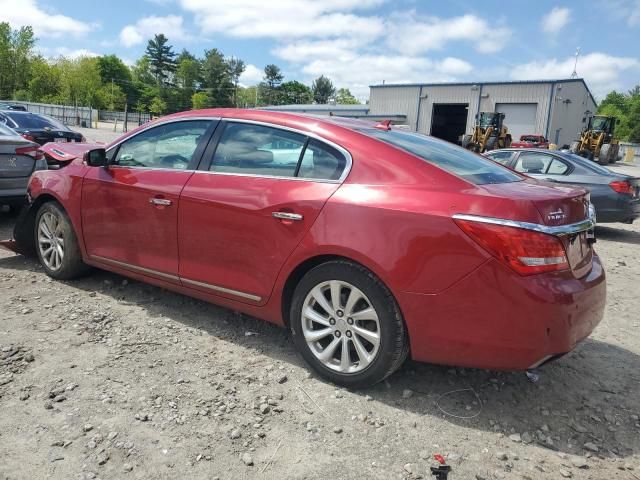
(457, 94)
(570, 104)
(395, 100)
(403, 99)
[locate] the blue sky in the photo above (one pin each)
(360, 42)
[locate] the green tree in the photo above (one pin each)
(200, 100)
(295, 93)
(248, 97)
(323, 89)
(162, 62)
(16, 52)
(217, 79)
(236, 68)
(269, 88)
(157, 106)
(344, 97)
(45, 81)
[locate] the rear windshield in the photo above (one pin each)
(456, 160)
(34, 121)
(588, 164)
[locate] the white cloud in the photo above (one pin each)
(251, 75)
(411, 34)
(555, 20)
(285, 18)
(66, 52)
(146, 27)
(601, 71)
(45, 23)
(627, 10)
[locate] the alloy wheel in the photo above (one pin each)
(50, 240)
(341, 326)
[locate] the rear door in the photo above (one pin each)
(257, 193)
(130, 209)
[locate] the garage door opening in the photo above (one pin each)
(449, 121)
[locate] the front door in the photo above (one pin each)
(250, 206)
(130, 209)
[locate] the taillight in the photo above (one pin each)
(622, 186)
(28, 137)
(525, 251)
(32, 151)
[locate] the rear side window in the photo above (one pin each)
(6, 131)
(451, 158)
(321, 161)
(251, 149)
(257, 150)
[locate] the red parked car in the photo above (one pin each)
(531, 141)
(369, 243)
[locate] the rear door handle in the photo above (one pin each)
(287, 216)
(160, 201)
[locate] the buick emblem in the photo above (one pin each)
(557, 215)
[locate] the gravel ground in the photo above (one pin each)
(109, 378)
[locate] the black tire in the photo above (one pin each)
(71, 265)
(393, 345)
(604, 154)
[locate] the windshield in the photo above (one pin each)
(35, 121)
(599, 123)
(451, 158)
(486, 119)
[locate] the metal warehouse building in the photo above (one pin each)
(553, 108)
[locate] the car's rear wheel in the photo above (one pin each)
(347, 325)
(57, 244)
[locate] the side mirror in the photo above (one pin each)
(96, 157)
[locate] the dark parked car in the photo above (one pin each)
(39, 128)
(12, 106)
(615, 196)
(19, 158)
(368, 242)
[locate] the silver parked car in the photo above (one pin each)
(19, 158)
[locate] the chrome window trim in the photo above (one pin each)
(176, 278)
(342, 150)
(570, 229)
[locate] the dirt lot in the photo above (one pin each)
(109, 378)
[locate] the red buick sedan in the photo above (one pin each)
(369, 243)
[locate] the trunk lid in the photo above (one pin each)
(557, 205)
(12, 164)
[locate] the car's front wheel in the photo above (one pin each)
(347, 325)
(57, 244)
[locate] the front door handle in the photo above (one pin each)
(287, 216)
(160, 201)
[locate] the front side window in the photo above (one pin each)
(502, 158)
(166, 146)
(451, 158)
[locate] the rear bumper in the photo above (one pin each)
(13, 189)
(496, 319)
(625, 211)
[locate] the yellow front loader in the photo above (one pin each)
(597, 142)
(489, 133)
